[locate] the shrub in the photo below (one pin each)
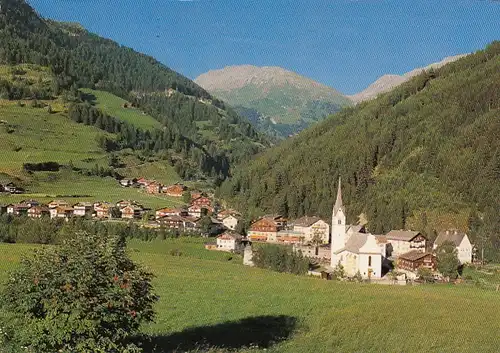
(281, 259)
(84, 296)
(339, 273)
(425, 274)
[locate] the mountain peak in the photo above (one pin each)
(387, 82)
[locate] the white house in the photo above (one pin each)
(83, 209)
(461, 241)
(311, 227)
(230, 222)
(402, 241)
(356, 251)
(228, 242)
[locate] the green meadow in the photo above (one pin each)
(32, 135)
(210, 298)
(113, 105)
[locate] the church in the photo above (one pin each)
(353, 248)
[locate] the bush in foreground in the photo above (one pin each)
(84, 296)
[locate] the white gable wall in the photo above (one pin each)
(464, 251)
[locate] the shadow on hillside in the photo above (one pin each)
(89, 97)
(261, 331)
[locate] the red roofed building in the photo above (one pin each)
(176, 190)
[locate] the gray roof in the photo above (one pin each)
(306, 221)
(414, 255)
(405, 235)
(355, 242)
(454, 236)
(356, 228)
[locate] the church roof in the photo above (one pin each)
(338, 203)
(356, 228)
(355, 242)
(404, 235)
(453, 236)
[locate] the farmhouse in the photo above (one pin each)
(198, 211)
(230, 222)
(229, 242)
(83, 209)
(12, 188)
(171, 212)
(102, 209)
(30, 203)
(176, 190)
(179, 223)
(202, 201)
(153, 188)
(266, 228)
(58, 203)
(61, 212)
(131, 212)
(18, 209)
(461, 241)
(38, 212)
(311, 228)
(356, 251)
(223, 214)
(414, 259)
(403, 241)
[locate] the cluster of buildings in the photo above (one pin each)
(11, 188)
(356, 249)
(61, 209)
(154, 187)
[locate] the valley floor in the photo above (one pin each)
(210, 297)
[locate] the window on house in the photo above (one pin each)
(340, 221)
(369, 260)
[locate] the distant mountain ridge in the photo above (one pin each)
(387, 82)
(284, 100)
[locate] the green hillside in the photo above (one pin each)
(424, 156)
(114, 106)
(78, 59)
(208, 302)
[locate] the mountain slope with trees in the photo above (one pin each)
(424, 156)
(79, 59)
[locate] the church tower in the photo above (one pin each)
(338, 222)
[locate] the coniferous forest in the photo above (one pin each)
(425, 156)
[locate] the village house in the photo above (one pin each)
(199, 211)
(229, 242)
(230, 222)
(320, 253)
(18, 209)
(83, 209)
(179, 223)
(164, 212)
(127, 183)
(312, 227)
(414, 259)
(38, 211)
(403, 241)
(126, 203)
(195, 194)
(131, 212)
(223, 214)
(154, 188)
(289, 237)
(266, 228)
(461, 242)
(12, 188)
(202, 201)
(102, 210)
(176, 190)
(142, 182)
(356, 251)
(61, 212)
(30, 203)
(58, 203)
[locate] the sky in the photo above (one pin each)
(345, 44)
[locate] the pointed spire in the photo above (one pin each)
(338, 202)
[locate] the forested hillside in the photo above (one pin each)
(79, 59)
(424, 156)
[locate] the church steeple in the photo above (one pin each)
(338, 203)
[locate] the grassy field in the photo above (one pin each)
(158, 170)
(33, 135)
(113, 106)
(206, 297)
